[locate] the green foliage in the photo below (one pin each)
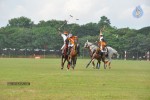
(20, 22)
(104, 22)
(23, 33)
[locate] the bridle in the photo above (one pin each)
(90, 50)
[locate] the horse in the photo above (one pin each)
(111, 51)
(92, 48)
(73, 56)
(64, 57)
(94, 55)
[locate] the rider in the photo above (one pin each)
(102, 43)
(72, 41)
(69, 39)
(64, 36)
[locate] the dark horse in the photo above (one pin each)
(64, 57)
(73, 56)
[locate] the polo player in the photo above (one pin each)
(64, 36)
(72, 42)
(102, 43)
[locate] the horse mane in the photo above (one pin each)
(92, 44)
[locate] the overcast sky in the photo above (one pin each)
(118, 11)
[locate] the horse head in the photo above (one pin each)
(87, 44)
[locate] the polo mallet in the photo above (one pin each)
(89, 63)
(62, 25)
(65, 22)
(72, 27)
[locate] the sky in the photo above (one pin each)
(118, 11)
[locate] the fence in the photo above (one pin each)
(29, 53)
(46, 53)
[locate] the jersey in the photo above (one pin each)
(73, 40)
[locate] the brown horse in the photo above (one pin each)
(64, 57)
(73, 56)
(95, 55)
(99, 56)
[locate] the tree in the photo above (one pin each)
(104, 22)
(21, 22)
(44, 34)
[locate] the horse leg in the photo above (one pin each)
(109, 65)
(62, 63)
(109, 62)
(93, 64)
(104, 63)
(98, 64)
(74, 62)
(69, 63)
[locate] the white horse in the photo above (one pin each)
(92, 48)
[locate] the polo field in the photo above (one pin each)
(126, 80)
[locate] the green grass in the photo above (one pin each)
(127, 80)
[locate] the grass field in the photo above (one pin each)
(127, 80)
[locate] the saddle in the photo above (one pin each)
(102, 43)
(72, 48)
(101, 52)
(105, 51)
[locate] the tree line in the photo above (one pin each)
(22, 33)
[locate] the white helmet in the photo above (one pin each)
(70, 35)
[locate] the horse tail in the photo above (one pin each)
(117, 55)
(107, 52)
